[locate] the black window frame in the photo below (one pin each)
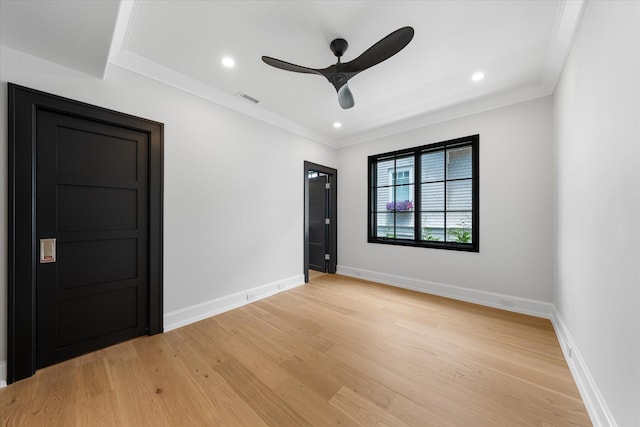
(472, 141)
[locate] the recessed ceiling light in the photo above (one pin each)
(337, 125)
(477, 76)
(228, 62)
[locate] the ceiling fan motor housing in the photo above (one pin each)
(339, 47)
(338, 79)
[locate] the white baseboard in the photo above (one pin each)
(594, 402)
(3, 373)
(185, 316)
(491, 299)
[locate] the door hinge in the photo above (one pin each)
(327, 257)
(327, 221)
(327, 185)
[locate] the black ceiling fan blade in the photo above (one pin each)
(381, 51)
(339, 73)
(345, 97)
(287, 66)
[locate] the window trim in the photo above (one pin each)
(473, 141)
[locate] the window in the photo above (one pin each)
(426, 196)
(400, 179)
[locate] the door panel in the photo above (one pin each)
(95, 155)
(92, 195)
(317, 226)
(84, 208)
(86, 269)
(108, 312)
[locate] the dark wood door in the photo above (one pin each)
(317, 225)
(92, 197)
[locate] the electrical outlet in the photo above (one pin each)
(280, 286)
(507, 302)
(250, 297)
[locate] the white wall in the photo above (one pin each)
(515, 257)
(597, 129)
(233, 198)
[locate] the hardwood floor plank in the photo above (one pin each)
(273, 410)
(413, 414)
(464, 408)
(286, 323)
(18, 393)
(362, 410)
(98, 411)
(338, 351)
(315, 409)
(194, 342)
(534, 368)
(364, 384)
(201, 356)
(94, 380)
(55, 394)
(181, 399)
(136, 400)
(315, 379)
(251, 341)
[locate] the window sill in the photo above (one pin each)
(464, 247)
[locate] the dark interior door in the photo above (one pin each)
(92, 197)
(318, 212)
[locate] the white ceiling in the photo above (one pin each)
(520, 45)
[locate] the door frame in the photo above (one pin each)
(333, 216)
(24, 103)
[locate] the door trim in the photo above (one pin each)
(333, 216)
(24, 104)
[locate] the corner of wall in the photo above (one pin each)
(593, 400)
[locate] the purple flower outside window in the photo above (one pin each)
(401, 206)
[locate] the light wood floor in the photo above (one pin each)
(338, 351)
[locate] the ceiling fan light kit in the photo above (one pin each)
(340, 73)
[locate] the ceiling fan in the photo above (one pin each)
(339, 73)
